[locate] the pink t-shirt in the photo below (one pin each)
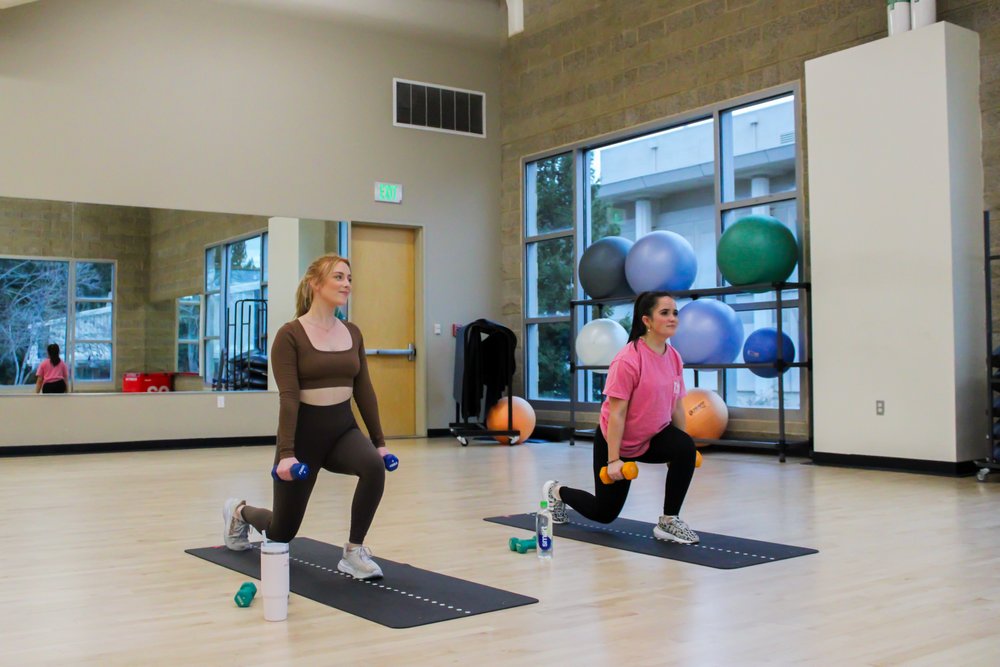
(48, 373)
(652, 384)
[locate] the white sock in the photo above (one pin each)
(667, 519)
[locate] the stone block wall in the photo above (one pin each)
(584, 69)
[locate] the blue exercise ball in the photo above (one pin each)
(708, 332)
(661, 260)
(602, 268)
(761, 347)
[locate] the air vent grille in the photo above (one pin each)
(426, 106)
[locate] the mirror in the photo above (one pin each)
(138, 299)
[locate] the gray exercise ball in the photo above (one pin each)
(602, 268)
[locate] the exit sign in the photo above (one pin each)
(391, 193)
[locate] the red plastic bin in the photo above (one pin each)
(147, 382)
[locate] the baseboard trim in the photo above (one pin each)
(135, 445)
(947, 468)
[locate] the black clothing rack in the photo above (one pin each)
(484, 356)
(782, 444)
(991, 463)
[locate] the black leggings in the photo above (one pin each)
(325, 437)
(54, 387)
(671, 445)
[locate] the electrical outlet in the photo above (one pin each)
(437, 329)
(880, 408)
(220, 401)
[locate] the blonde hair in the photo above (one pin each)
(321, 269)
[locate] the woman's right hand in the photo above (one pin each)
(615, 470)
(284, 470)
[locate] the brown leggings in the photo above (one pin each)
(325, 437)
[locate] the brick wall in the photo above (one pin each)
(177, 247)
(585, 68)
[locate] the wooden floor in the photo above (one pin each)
(93, 569)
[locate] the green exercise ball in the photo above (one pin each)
(757, 249)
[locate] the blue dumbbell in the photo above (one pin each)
(391, 462)
(299, 471)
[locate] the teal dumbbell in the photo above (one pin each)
(244, 596)
(522, 546)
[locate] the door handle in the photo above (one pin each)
(410, 352)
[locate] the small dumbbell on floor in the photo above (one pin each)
(522, 546)
(244, 596)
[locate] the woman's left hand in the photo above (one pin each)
(382, 451)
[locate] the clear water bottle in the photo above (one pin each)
(543, 531)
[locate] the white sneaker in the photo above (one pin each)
(674, 530)
(556, 506)
(235, 530)
(358, 563)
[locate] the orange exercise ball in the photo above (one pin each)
(524, 419)
(706, 414)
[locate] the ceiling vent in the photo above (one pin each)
(426, 106)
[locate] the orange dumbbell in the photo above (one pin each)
(697, 459)
(630, 470)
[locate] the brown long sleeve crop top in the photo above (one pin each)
(298, 365)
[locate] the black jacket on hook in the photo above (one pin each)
(484, 363)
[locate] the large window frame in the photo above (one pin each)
(720, 114)
(212, 368)
(73, 302)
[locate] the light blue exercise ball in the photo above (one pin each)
(661, 260)
(708, 332)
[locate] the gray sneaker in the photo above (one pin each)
(235, 531)
(674, 530)
(556, 506)
(358, 563)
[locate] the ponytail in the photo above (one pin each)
(53, 350)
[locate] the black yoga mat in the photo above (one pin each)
(406, 597)
(720, 551)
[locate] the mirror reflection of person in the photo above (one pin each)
(52, 374)
(319, 364)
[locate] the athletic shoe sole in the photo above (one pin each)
(232, 543)
(546, 497)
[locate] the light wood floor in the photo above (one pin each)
(93, 569)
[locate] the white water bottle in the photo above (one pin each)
(543, 531)
(274, 580)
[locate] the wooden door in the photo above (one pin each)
(383, 306)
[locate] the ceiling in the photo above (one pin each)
(479, 22)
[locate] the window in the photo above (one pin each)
(549, 261)
(189, 334)
(235, 289)
(67, 302)
(694, 178)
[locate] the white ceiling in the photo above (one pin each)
(472, 21)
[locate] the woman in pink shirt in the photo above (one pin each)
(641, 420)
(52, 374)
